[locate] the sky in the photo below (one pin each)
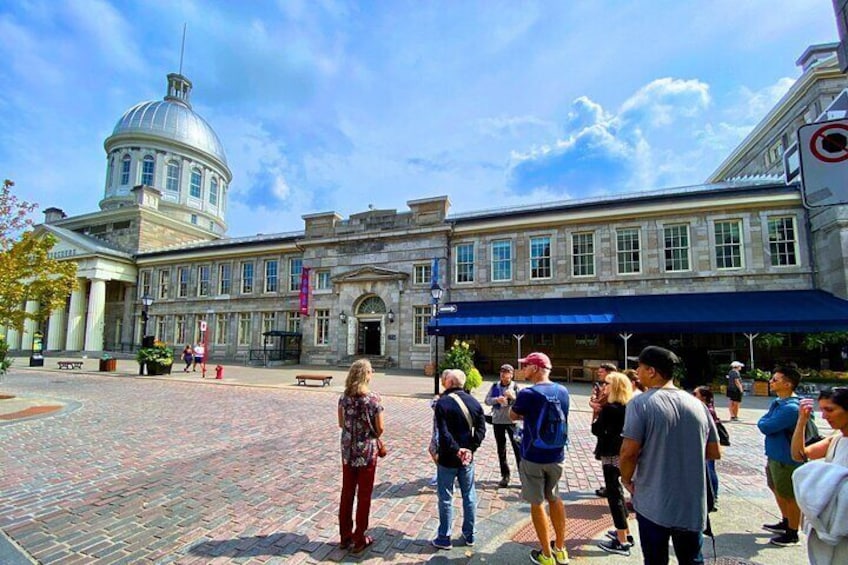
(332, 105)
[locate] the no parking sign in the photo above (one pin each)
(824, 162)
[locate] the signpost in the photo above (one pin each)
(823, 149)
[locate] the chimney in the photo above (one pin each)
(813, 54)
(52, 215)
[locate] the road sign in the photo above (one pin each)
(203, 325)
(447, 309)
(824, 162)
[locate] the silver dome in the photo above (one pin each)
(173, 121)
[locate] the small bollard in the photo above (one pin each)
(219, 372)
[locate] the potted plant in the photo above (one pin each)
(461, 356)
(158, 358)
(108, 363)
(761, 381)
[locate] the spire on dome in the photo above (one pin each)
(179, 88)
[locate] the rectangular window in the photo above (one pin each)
(322, 327)
(172, 182)
(246, 278)
(586, 340)
(203, 273)
(421, 274)
(196, 180)
(271, 275)
(676, 241)
(160, 328)
(295, 268)
(583, 254)
(194, 219)
(293, 322)
(224, 278)
(728, 244)
(213, 192)
(464, 254)
(501, 260)
(179, 329)
(627, 251)
(420, 320)
(269, 321)
(244, 328)
(182, 282)
(540, 257)
(783, 243)
(163, 283)
(147, 167)
(125, 170)
(145, 284)
(322, 280)
(221, 329)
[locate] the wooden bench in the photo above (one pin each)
(69, 365)
(325, 379)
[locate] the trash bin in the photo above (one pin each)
(108, 365)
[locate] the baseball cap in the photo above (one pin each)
(737, 364)
(538, 359)
(660, 359)
(507, 367)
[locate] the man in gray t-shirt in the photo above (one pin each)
(668, 435)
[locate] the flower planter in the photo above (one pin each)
(158, 368)
(761, 388)
(108, 365)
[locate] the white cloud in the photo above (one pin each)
(754, 105)
(662, 101)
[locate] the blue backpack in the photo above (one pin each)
(551, 427)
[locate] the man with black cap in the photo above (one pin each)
(500, 397)
(668, 435)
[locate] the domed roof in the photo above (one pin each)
(172, 119)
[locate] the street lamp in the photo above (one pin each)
(146, 301)
(435, 297)
(343, 317)
(391, 317)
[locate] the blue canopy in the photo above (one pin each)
(717, 312)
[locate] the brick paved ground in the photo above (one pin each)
(164, 471)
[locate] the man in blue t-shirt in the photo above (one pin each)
(541, 468)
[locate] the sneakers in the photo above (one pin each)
(442, 543)
(469, 540)
(790, 537)
(611, 534)
(777, 528)
(536, 556)
(504, 482)
(434, 481)
(559, 555)
(614, 546)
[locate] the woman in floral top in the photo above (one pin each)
(361, 421)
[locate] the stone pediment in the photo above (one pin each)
(73, 245)
(370, 274)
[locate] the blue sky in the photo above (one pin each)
(327, 105)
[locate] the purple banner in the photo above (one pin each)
(304, 291)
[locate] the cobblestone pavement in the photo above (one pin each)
(137, 470)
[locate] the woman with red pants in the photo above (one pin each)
(361, 421)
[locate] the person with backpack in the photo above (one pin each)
(544, 409)
(668, 436)
(501, 396)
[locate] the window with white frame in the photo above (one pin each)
(676, 242)
(164, 275)
(182, 282)
(464, 257)
(203, 275)
(628, 251)
(247, 277)
(125, 169)
(195, 187)
(583, 254)
(244, 328)
(172, 182)
(728, 244)
(540, 257)
(213, 192)
(501, 260)
(161, 325)
(293, 321)
(322, 327)
(271, 275)
(783, 241)
(194, 219)
(295, 269)
(420, 320)
(148, 166)
(221, 329)
(179, 329)
(421, 274)
(145, 284)
(269, 321)
(224, 278)
(322, 280)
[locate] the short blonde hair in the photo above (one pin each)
(620, 389)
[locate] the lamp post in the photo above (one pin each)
(146, 301)
(435, 298)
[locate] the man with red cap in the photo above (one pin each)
(544, 409)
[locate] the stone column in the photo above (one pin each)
(55, 330)
(13, 338)
(96, 310)
(30, 325)
(76, 327)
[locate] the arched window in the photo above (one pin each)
(196, 180)
(147, 168)
(213, 192)
(173, 181)
(125, 169)
(372, 305)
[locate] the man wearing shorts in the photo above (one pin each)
(777, 425)
(541, 469)
(734, 390)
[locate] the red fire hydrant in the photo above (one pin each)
(219, 372)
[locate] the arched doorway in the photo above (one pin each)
(370, 314)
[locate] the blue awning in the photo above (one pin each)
(718, 312)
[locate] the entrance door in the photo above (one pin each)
(368, 339)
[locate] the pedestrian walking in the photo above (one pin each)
(667, 434)
(199, 354)
(360, 414)
(500, 397)
(188, 357)
(544, 409)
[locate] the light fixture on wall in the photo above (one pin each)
(391, 317)
(342, 317)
